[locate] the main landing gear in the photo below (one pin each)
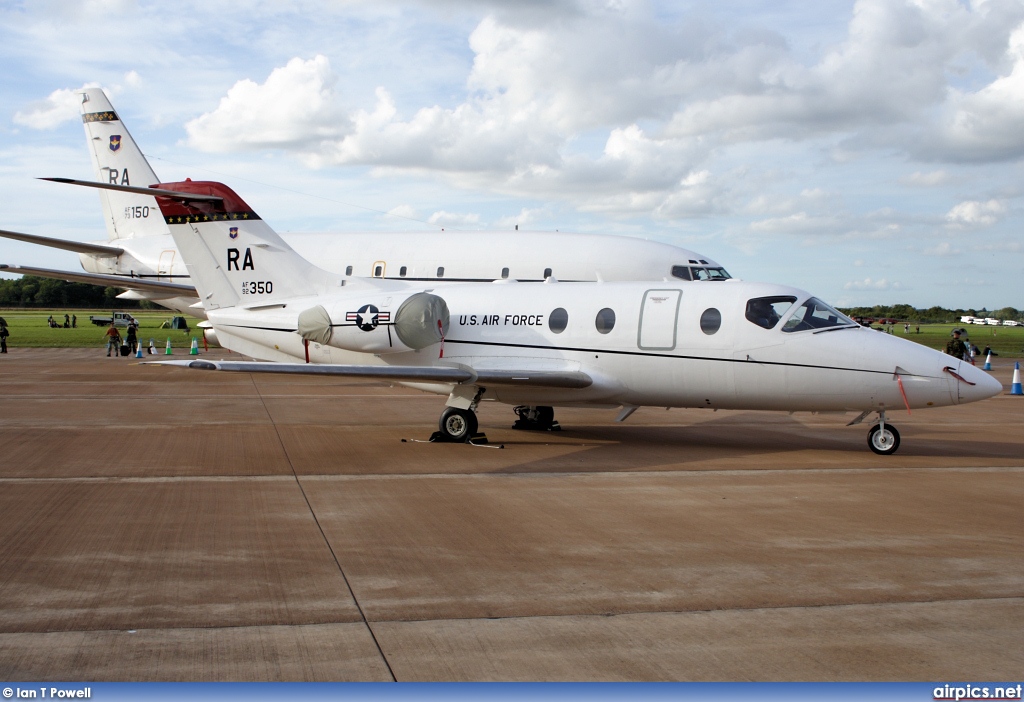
(536, 418)
(457, 425)
(883, 438)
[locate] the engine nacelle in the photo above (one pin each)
(381, 324)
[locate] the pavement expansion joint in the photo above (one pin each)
(323, 534)
(696, 473)
(770, 608)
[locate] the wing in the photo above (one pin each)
(76, 246)
(420, 374)
(116, 281)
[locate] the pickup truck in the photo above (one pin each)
(121, 319)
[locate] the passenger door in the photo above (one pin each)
(658, 313)
(165, 266)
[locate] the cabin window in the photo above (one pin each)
(440, 271)
(348, 270)
(710, 321)
(558, 320)
(402, 271)
(378, 271)
(504, 272)
(547, 273)
(681, 272)
(815, 314)
(767, 311)
(605, 320)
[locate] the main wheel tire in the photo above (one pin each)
(458, 424)
(885, 442)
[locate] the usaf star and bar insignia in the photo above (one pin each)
(368, 317)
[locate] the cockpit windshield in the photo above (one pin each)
(699, 273)
(767, 311)
(815, 314)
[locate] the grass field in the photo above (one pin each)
(28, 329)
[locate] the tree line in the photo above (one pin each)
(33, 291)
(932, 315)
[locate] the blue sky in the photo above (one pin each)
(870, 152)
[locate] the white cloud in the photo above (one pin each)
(869, 284)
(525, 218)
(406, 211)
(972, 213)
(798, 223)
(931, 179)
(60, 106)
(668, 98)
(988, 124)
(294, 108)
(942, 249)
(454, 219)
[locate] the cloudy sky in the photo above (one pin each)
(868, 151)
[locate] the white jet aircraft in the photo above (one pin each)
(539, 345)
(141, 256)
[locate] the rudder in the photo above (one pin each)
(117, 159)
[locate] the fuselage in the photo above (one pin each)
(435, 256)
(671, 344)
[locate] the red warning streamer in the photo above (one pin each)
(305, 343)
(440, 328)
(899, 381)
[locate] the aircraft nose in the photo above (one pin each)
(979, 385)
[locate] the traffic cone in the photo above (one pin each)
(168, 351)
(988, 362)
(1015, 388)
(152, 347)
(138, 350)
(194, 351)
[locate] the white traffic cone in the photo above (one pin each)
(168, 351)
(194, 351)
(1015, 389)
(152, 347)
(988, 362)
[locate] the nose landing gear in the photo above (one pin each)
(883, 438)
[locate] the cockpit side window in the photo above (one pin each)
(699, 273)
(681, 272)
(767, 311)
(815, 314)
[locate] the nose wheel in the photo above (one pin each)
(884, 439)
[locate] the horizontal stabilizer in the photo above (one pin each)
(155, 192)
(417, 374)
(115, 281)
(76, 246)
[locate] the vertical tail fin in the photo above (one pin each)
(117, 159)
(233, 256)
